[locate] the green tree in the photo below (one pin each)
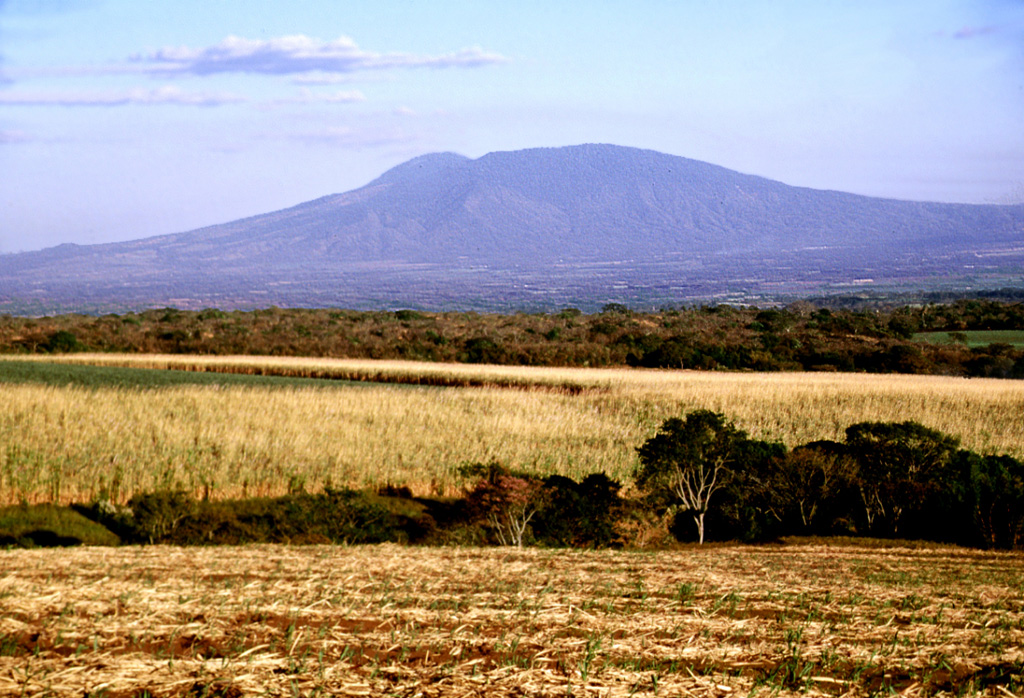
(63, 342)
(689, 460)
(580, 515)
(995, 499)
(483, 350)
(804, 490)
(900, 466)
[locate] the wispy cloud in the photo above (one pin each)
(290, 55)
(318, 78)
(3, 79)
(8, 137)
(307, 96)
(159, 96)
(973, 32)
(350, 138)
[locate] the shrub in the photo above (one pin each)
(504, 502)
(507, 504)
(334, 516)
(48, 525)
(115, 518)
(483, 350)
(63, 342)
(154, 515)
(579, 515)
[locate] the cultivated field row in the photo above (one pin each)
(72, 443)
(388, 620)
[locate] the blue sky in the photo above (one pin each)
(123, 119)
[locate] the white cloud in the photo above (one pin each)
(158, 96)
(289, 55)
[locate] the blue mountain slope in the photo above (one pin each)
(546, 208)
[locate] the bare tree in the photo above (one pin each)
(507, 503)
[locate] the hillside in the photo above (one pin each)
(542, 228)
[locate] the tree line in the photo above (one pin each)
(706, 479)
(798, 337)
(885, 480)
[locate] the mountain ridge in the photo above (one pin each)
(595, 222)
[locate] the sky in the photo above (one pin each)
(122, 119)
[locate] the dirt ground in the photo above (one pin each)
(403, 621)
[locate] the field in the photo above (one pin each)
(388, 620)
(974, 338)
(73, 433)
(227, 622)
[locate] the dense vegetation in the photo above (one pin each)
(798, 337)
(886, 480)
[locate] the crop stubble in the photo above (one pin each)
(380, 620)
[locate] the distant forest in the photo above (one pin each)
(947, 339)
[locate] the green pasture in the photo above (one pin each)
(47, 373)
(974, 338)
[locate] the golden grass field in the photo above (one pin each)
(390, 620)
(72, 443)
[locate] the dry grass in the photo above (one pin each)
(388, 620)
(67, 443)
